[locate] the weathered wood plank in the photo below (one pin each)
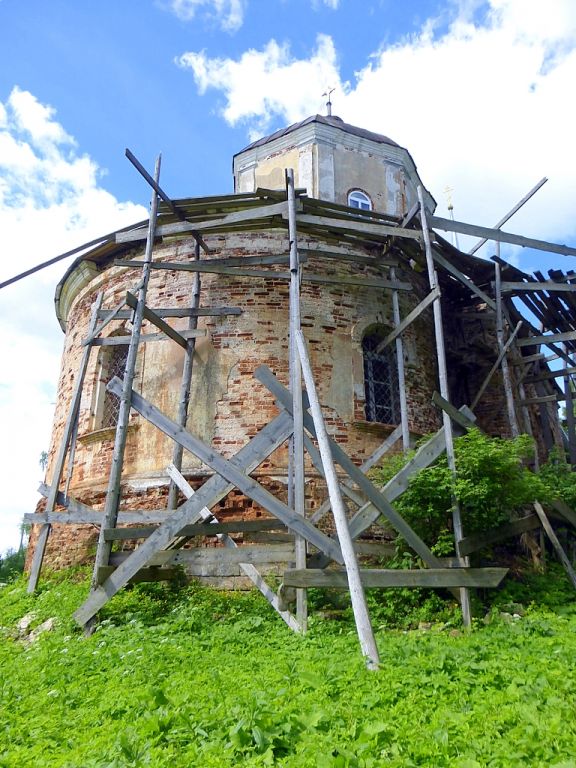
(359, 227)
(200, 529)
(144, 574)
(431, 577)
(551, 338)
(478, 541)
(448, 225)
(247, 568)
(206, 557)
(220, 222)
(177, 266)
(550, 375)
(409, 319)
(566, 511)
(116, 341)
(266, 377)
(126, 314)
(555, 543)
(228, 470)
(439, 259)
(456, 415)
(215, 488)
(153, 318)
(543, 399)
(551, 286)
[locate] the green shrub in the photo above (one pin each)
(492, 483)
(12, 564)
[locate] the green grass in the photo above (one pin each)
(199, 678)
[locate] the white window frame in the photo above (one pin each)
(359, 199)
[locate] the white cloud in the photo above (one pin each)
(264, 84)
(229, 13)
(481, 98)
(50, 201)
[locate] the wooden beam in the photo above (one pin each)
(230, 472)
(550, 375)
(200, 529)
(409, 319)
(566, 511)
(555, 543)
(266, 377)
(177, 266)
(550, 286)
(144, 574)
(436, 222)
(432, 577)
(153, 318)
(439, 259)
(211, 556)
(456, 415)
(247, 568)
(359, 227)
(185, 227)
(145, 338)
(476, 542)
(550, 338)
(543, 399)
(176, 312)
(267, 440)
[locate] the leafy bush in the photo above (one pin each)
(492, 483)
(559, 477)
(12, 564)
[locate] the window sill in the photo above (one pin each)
(100, 435)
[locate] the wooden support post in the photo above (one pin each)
(186, 382)
(69, 429)
(400, 365)
(359, 606)
(500, 337)
(570, 420)
(296, 455)
(443, 377)
(500, 359)
(555, 543)
(113, 493)
(247, 568)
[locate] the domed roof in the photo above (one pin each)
(333, 121)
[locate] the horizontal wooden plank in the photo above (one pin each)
(127, 314)
(551, 338)
(358, 227)
(144, 574)
(550, 286)
(95, 517)
(218, 222)
(550, 375)
(543, 399)
(177, 266)
(497, 235)
(208, 556)
(116, 341)
(200, 529)
(479, 541)
(153, 318)
(432, 577)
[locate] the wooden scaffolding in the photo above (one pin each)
(320, 560)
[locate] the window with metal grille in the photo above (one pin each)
(382, 400)
(113, 364)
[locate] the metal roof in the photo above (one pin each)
(333, 121)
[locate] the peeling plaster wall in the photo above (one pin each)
(228, 405)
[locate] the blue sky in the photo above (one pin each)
(479, 91)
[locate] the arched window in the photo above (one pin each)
(112, 362)
(359, 199)
(381, 391)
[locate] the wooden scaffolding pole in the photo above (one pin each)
(113, 494)
(186, 380)
(357, 596)
(443, 378)
(296, 479)
(500, 337)
(400, 366)
(69, 430)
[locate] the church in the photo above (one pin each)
(218, 309)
